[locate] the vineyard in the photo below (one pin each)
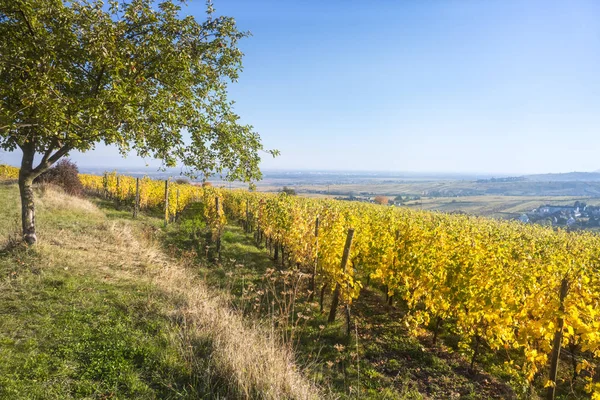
(520, 290)
(9, 172)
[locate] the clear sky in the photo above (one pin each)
(494, 86)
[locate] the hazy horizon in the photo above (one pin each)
(119, 163)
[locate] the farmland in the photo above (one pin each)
(281, 269)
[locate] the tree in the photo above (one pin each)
(381, 200)
(289, 191)
(135, 74)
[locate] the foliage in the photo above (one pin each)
(152, 192)
(64, 174)
(382, 200)
(289, 191)
(494, 282)
(8, 172)
(497, 282)
(132, 74)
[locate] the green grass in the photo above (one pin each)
(96, 310)
(383, 362)
(64, 336)
(75, 322)
(381, 359)
(80, 318)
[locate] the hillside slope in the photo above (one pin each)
(97, 310)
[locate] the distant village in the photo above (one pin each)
(578, 215)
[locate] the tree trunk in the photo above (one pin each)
(27, 174)
(27, 208)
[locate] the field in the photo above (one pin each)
(396, 338)
(502, 200)
(101, 309)
(502, 207)
(343, 186)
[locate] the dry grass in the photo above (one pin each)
(257, 363)
(248, 360)
(53, 197)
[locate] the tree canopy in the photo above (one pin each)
(136, 74)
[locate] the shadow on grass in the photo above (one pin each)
(64, 335)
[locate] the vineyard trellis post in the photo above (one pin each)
(136, 205)
(218, 243)
(118, 191)
(258, 227)
(177, 205)
(248, 230)
(323, 288)
(314, 273)
(105, 185)
(336, 293)
(390, 298)
(166, 202)
(558, 336)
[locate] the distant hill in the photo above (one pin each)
(566, 177)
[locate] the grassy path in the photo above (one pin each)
(98, 310)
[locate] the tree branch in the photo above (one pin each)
(98, 80)
(48, 160)
(18, 126)
(49, 152)
(61, 152)
(27, 22)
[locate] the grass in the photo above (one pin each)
(98, 310)
(110, 307)
(381, 359)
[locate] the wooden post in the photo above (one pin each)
(558, 335)
(347, 309)
(118, 189)
(258, 228)
(166, 202)
(322, 295)
(314, 274)
(136, 205)
(248, 216)
(177, 206)
(336, 292)
(218, 207)
(390, 298)
(105, 185)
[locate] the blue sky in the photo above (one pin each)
(452, 86)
